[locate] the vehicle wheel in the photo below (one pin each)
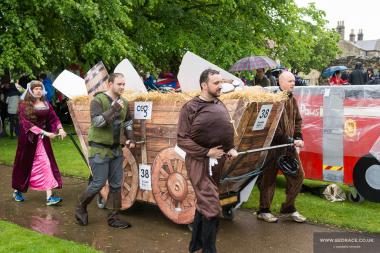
(366, 178)
(171, 187)
(355, 197)
(129, 185)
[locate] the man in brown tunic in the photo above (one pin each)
(288, 127)
(205, 132)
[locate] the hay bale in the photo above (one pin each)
(156, 96)
(251, 94)
(80, 100)
(255, 94)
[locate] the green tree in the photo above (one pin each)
(52, 34)
(154, 34)
(309, 45)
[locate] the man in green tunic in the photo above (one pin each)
(110, 118)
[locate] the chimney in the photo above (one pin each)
(352, 36)
(360, 34)
(340, 29)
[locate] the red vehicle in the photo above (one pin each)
(341, 129)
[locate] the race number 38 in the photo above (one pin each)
(145, 177)
(262, 117)
(143, 110)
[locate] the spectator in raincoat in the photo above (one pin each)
(336, 79)
(48, 87)
(357, 76)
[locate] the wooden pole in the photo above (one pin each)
(144, 156)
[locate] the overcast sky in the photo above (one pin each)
(356, 14)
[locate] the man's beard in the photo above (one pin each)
(117, 93)
(215, 94)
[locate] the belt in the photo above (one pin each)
(101, 145)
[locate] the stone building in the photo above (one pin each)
(356, 45)
(354, 50)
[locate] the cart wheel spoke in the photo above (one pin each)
(163, 173)
(171, 187)
(130, 180)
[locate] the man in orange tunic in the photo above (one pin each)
(205, 132)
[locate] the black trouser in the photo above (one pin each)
(13, 124)
(204, 233)
(3, 115)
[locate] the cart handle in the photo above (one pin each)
(136, 142)
(244, 176)
(264, 149)
(237, 161)
(71, 135)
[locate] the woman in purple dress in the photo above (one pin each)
(35, 166)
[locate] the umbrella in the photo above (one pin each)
(278, 70)
(253, 62)
(331, 70)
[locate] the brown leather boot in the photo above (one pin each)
(113, 219)
(81, 214)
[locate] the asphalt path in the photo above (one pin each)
(152, 231)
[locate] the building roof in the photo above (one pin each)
(369, 45)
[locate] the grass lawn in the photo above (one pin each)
(363, 216)
(69, 161)
(357, 216)
(17, 239)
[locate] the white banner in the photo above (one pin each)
(70, 84)
(132, 79)
(191, 68)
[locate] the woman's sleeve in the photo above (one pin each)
(36, 130)
(54, 121)
(25, 124)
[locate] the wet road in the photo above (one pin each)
(151, 231)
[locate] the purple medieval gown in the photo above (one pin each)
(34, 164)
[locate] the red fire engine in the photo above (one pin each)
(341, 129)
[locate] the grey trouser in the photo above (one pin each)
(110, 169)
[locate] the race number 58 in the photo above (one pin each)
(262, 117)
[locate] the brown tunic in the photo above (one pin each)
(290, 123)
(203, 125)
(289, 126)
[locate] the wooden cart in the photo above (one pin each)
(171, 189)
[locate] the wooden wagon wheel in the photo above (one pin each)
(129, 185)
(172, 188)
